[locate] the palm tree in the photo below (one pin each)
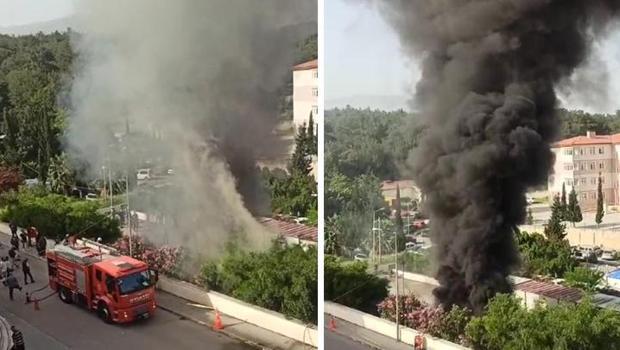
(60, 175)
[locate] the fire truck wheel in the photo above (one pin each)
(104, 313)
(65, 295)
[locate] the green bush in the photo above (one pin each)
(584, 278)
(281, 279)
(507, 325)
(350, 284)
(56, 215)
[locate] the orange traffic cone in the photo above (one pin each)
(332, 324)
(217, 325)
(36, 305)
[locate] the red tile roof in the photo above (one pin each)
(588, 140)
(391, 185)
(307, 65)
(550, 290)
(292, 229)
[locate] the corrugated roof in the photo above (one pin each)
(307, 65)
(550, 290)
(391, 185)
(292, 229)
(606, 301)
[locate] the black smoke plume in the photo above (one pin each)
(487, 94)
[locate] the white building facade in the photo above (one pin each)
(305, 93)
(578, 163)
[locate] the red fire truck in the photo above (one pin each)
(119, 288)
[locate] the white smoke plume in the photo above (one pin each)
(204, 76)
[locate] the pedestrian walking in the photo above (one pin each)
(32, 236)
(18, 339)
(26, 270)
(13, 258)
(15, 241)
(13, 228)
(41, 244)
(24, 238)
(12, 283)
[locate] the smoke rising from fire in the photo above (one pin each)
(488, 96)
(194, 81)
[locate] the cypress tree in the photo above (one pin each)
(565, 213)
(599, 202)
(573, 210)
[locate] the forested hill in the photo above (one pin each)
(365, 141)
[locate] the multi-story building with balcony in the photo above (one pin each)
(579, 161)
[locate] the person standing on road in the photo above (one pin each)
(26, 269)
(13, 258)
(18, 339)
(13, 228)
(15, 241)
(13, 284)
(41, 244)
(24, 238)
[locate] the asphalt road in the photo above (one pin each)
(60, 326)
(334, 341)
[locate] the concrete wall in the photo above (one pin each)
(305, 83)
(385, 327)
(263, 318)
(418, 278)
(608, 239)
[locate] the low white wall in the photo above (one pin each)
(417, 277)
(258, 316)
(385, 327)
(608, 239)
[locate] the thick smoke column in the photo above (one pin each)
(203, 77)
(487, 93)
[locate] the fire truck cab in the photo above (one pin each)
(119, 288)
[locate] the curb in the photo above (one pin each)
(202, 323)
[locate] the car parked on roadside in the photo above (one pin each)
(144, 174)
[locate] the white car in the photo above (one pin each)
(91, 197)
(360, 257)
(144, 174)
(607, 255)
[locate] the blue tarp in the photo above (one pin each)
(614, 274)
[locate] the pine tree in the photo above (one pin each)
(530, 218)
(599, 202)
(565, 213)
(573, 210)
(399, 218)
(300, 161)
(555, 229)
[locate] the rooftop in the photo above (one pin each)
(291, 229)
(591, 138)
(314, 64)
(550, 290)
(391, 185)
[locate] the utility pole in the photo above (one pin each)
(128, 214)
(111, 191)
(397, 300)
(380, 237)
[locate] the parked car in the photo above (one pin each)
(170, 171)
(360, 257)
(91, 197)
(608, 255)
(144, 174)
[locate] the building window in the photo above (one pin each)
(315, 91)
(569, 182)
(315, 110)
(601, 165)
(581, 151)
(592, 150)
(568, 151)
(315, 74)
(600, 150)
(584, 196)
(568, 166)
(593, 181)
(582, 166)
(583, 180)
(592, 195)
(592, 166)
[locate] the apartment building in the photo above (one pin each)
(305, 93)
(578, 163)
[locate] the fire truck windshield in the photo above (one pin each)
(134, 282)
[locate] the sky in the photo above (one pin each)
(20, 12)
(364, 66)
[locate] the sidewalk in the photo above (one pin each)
(203, 315)
(365, 336)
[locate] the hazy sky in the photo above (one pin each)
(363, 61)
(18, 12)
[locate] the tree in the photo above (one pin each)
(10, 178)
(301, 160)
(530, 218)
(584, 278)
(351, 285)
(573, 210)
(312, 142)
(599, 202)
(555, 229)
(60, 175)
(542, 256)
(332, 239)
(398, 215)
(563, 205)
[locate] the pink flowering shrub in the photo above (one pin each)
(432, 320)
(165, 259)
